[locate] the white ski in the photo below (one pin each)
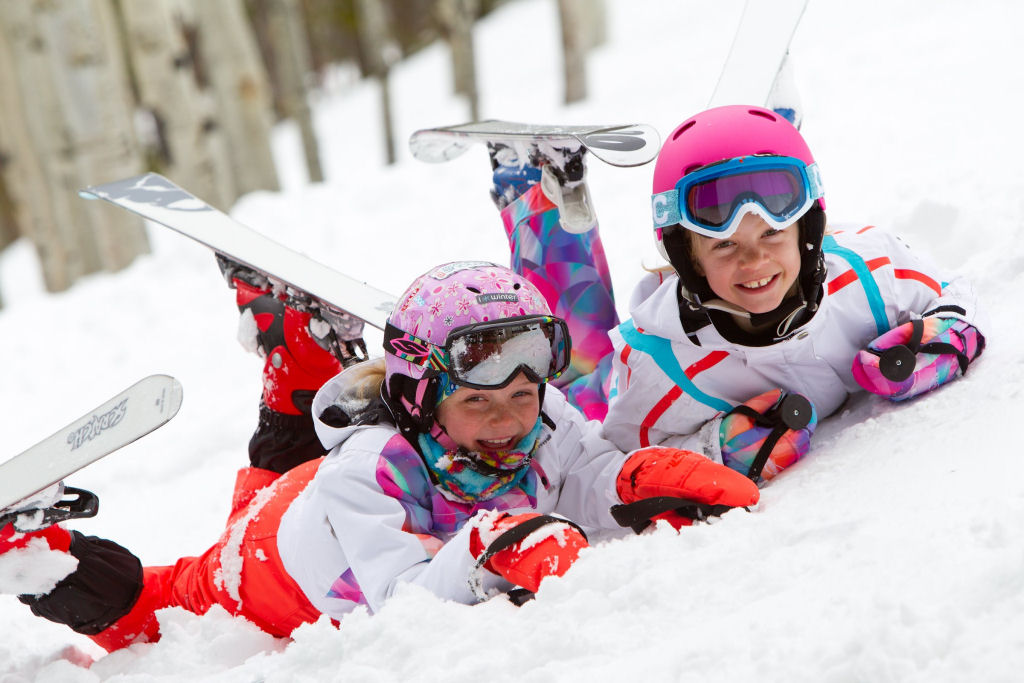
(758, 51)
(629, 144)
(632, 144)
(135, 412)
(156, 198)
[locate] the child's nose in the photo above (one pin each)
(507, 416)
(501, 414)
(752, 254)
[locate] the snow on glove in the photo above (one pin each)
(917, 356)
(33, 562)
(767, 434)
(525, 548)
(37, 516)
(678, 486)
(57, 537)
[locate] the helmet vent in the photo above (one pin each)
(516, 286)
(683, 128)
(474, 290)
(763, 114)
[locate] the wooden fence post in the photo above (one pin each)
(292, 68)
(193, 152)
(381, 52)
(457, 18)
(570, 13)
(66, 124)
(238, 82)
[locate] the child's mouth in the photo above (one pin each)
(497, 444)
(760, 283)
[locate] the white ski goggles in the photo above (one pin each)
(489, 355)
(712, 200)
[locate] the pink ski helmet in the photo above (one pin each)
(726, 133)
(730, 133)
(445, 299)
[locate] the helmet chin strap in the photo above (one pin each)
(439, 434)
(783, 328)
(782, 315)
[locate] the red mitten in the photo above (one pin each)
(679, 486)
(525, 548)
(57, 537)
(37, 515)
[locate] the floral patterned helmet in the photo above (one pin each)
(478, 324)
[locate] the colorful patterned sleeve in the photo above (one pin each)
(571, 270)
(394, 526)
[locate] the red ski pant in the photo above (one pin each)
(242, 572)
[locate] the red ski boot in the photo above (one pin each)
(303, 344)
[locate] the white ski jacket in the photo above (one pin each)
(371, 520)
(673, 392)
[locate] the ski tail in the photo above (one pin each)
(758, 52)
(632, 144)
(157, 199)
(138, 410)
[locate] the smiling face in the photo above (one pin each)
(491, 419)
(755, 268)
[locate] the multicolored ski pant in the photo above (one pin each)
(571, 271)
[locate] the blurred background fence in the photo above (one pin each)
(98, 90)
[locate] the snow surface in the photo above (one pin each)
(892, 553)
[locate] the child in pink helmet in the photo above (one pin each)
(765, 321)
(443, 458)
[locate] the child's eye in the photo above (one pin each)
(772, 232)
(723, 244)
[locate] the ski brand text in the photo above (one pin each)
(97, 424)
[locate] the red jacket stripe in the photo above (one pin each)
(906, 274)
(659, 409)
(840, 281)
(706, 362)
(675, 392)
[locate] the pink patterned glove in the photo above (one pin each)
(917, 357)
(767, 434)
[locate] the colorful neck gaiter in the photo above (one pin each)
(455, 474)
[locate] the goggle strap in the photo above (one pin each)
(413, 349)
(665, 209)
(437, 360)
(817, 188)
